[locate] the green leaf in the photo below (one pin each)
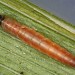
(16, 57)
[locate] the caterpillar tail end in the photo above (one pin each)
(1, 18)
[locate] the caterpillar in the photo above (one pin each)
(36, 40)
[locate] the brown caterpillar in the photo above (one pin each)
(36, 40)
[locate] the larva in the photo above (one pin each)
(36, 40)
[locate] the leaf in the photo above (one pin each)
(18, 58)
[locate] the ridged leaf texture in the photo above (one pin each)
(18, 58)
